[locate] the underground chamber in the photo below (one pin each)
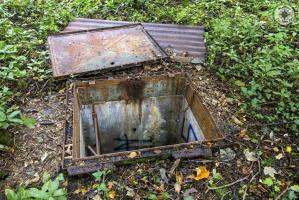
(111, 116)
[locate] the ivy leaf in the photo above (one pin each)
(10, 194)
(2, 116)
(39, 194)
(98, 175)
(268, 182)
(59, 192)
(53, 185)
(14, 114)
(29, 122)
(103, 188)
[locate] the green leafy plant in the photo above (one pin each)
(100, 178)
(50, 191)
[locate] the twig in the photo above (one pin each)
(252, 178)
(227, 185)
(283, 192)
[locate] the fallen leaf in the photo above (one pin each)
(33, 180)
(94, 186)
(174, 166)
(163, 175)
(179, 178)
(198, 67)
(112, 194)
(177, 188)
(270, 171)
(97, 197)
(289, 149)
(279, 156)
(250, 155)
(157, 151)
(110, 185)
(43, 158)
(227, 154)
(237, 121)
(61, 91)
(132, 154)
(81, 191)
(275, 149)
(201, 173)
(130, 192)
(160, 189)
(243, 132)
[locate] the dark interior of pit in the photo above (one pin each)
(132, 114)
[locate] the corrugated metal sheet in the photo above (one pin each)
(95, 50)
(183, 43)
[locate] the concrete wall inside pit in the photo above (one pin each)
(134, 124)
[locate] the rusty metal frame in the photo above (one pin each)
(164, 151)
(164, 55)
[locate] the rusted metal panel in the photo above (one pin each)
(191, 153)
(102, 49)
(183, 43)
(89, 168)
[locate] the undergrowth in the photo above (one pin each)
(247, 48)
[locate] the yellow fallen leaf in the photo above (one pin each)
(237, 121)
(132, 154)
(243, 132)
(61, 91)
(65, 183)
(112, 194)
(275, 149)
(289, 149)
(94, 186)
(179, 178)
(279, 156)
(177, 188)
(201, 173)
(81, 191)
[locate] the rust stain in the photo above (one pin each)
(134, 89)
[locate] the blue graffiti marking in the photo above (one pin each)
(190, 128)
(194, 134)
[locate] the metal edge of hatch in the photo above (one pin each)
(91, 164)
(164, 55)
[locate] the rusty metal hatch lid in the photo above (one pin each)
(182, 43)
(98, 50)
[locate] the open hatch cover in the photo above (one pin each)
(97, 50)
